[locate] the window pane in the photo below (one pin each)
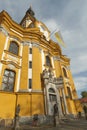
(51, 90)
(30, 50)
(11, 87)
(8, 80)
(52, 97)
(6, 72)
(30, 64)
(4, 86)
(30, 83)
(5, 79)
(11, 80)
(12, 74)
(14, 48)
(48, 61)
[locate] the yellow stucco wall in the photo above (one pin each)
(57, 68)
(36, 71)
(24, 69)
(30, 104)
(7, 105)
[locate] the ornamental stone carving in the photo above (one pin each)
(48, 77)
(55, 58)
(26, 43)
(35, 44)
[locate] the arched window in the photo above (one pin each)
(69, 92)
(8, 80)
(14, 48)
(48, 61)
(64, 72)
(51, 90)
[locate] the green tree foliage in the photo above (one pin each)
(84, 94)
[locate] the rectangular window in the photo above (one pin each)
(30, 83)
(30, 50)
(30, 64)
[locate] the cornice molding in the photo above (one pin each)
(11, 63)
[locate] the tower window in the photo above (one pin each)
(48, 61)
(65, 73)
(30, 83)
(8, 80)
(14, 48)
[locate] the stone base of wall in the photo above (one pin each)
(41, 121)
(6, 122)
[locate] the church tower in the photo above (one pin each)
(34, 74)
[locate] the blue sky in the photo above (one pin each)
(70, 16)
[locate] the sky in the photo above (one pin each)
(70, 17)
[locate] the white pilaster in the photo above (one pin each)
(43, 60)
(0, 68)
(65, 104)
(29, 69)
(53, 65)
(59, 105)
(18, 80)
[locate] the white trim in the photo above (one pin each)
(29, 90)
(5, 47)
(37, 91)
(29, 73)
(65, 67)
(15, 39)
(29, 69)
(16, 32)
(6, 43)
(65, 103)
(21, 49)
(30, 45)
(43, 60)
(45, 98)
(53, 66)
(0, 68)
(18, 80)
(30, 57)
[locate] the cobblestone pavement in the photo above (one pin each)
(66, 125)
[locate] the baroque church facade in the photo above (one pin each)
(34, 74)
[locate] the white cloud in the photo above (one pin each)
(80, 83)
(51, 24)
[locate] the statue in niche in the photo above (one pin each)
(48, 73)
(51, 74)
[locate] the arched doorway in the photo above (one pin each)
(52, 98)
